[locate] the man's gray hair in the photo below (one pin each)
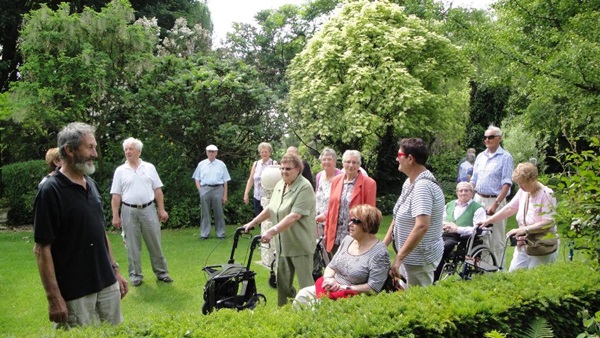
(72, 135)
(495, 130)
(328, 152)
(465, 185)
(136, 143)
(352, 153)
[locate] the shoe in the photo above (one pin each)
(165, 279)
(203, 237)
(136, 282)
(221, 237)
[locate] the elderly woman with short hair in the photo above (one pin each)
(534, 205)
(347, 190)
(292, 211)
(360, 266)
(328, 160)
(265, 150)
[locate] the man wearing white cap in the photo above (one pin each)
(211, 177)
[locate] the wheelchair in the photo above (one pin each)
(470, 257)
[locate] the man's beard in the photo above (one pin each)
(83, 166)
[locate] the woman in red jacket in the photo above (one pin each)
(348, 190)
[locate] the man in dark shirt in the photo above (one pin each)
(74, 257)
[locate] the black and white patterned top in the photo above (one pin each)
(423, 197)
(371, 267)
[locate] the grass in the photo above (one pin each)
(24, 310)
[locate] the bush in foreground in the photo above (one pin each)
(503, 302)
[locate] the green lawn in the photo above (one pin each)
(23, 307)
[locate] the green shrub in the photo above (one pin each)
(578, 193)
(502, 302)
(20, 185)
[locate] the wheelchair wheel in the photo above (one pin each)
(450, 269)
(479, 260)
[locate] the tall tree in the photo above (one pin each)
(80, 67)
(12, 13)
(374, 73)
(547, 51)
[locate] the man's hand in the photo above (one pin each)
(224, 200)
(123, 286)
(57, 310)
(163, 216)
(116, 221)
(395, 269)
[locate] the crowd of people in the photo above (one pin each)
(339, 206)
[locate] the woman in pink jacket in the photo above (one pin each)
(348, 190)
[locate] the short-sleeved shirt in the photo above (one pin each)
(136, 186)
(542, 206)
(424, 197)
(492, 171)
(211, 173)
(70, 218)
(299, 198)
(371, 267)
(259, 166)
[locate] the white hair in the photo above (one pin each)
(495, 130)
(136, 143)
(353, 153)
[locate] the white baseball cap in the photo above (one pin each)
(212, 147)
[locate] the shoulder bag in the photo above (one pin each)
(540, 244)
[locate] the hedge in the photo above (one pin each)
(505, 302)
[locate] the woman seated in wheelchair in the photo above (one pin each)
(461, 217)
(360, 265)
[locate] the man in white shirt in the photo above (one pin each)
(137, 190)
(211, 177)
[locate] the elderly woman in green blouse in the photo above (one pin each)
(292, 210)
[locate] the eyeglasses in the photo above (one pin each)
(401, 154)
(463, 190)
(491, 137)
(212, 151)
(355, 221)
(351, 162)
(286, 168)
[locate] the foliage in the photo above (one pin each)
(12, 13)
(591, 324)
(578, 192)
(522, 143)
(80, 67)
(454, 309)
(372, 73)
(546, 51)
(20, 185)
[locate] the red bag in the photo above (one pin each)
(332, 294)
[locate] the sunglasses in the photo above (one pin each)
(491, 137)
(286, 168)
(355, 221)
(401, 154)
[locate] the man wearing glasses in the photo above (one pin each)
(492, 181)
(211, 177)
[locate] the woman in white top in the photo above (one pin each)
(328, 160)
(265, 150)
(534, 206)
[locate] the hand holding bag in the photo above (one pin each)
(540, 244)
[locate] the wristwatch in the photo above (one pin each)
(115, 266)
(348, 287)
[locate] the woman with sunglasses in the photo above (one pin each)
(360, 265)
(416, 228)
(347, 190)
(292, 211)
